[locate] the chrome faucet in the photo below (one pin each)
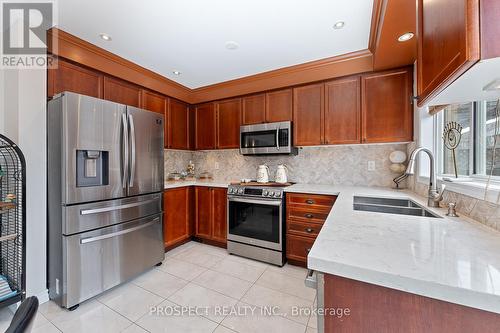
(434, 196)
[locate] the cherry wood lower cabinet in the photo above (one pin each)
(211, 210)
(177, 216)
(374, 308)
(305, 215)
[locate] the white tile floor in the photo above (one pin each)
(195, 277)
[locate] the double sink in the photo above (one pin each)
(391, 206)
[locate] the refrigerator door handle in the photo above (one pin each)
(118, 233)
(125, 151)
(132, 150)
(113, 208)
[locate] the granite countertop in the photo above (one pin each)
(451, 259)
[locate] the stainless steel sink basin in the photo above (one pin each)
(391, 206)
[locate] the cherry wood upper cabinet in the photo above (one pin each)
(205, 126)
(279, 105)
(343, 111)
(228, 123)
(192, 127)
(179, 124)
(153, 102)
(69, 77)
(176, 216)
(219, 214)
(308, 103)
(203, 212)
(122, 92)
(386, 106)
(254, 109)
(448, 43)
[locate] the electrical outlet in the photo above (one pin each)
(216, 165)
(371, 165)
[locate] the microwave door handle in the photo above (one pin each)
(132, 150)
(278, 138)
(124, 160)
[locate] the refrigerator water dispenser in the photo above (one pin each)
(92, 168)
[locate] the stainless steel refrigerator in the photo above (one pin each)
(105, 183)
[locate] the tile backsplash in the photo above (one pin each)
(346, 164)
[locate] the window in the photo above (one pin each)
(476, 152)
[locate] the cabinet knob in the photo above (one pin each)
(309, 215)
(310, 201)
(308, 250)
(309, 230)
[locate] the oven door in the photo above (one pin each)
(255, 222)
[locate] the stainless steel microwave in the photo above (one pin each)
(266, 139)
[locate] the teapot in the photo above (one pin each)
(263, 174)
(281, 174)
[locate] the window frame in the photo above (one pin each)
(473, 146)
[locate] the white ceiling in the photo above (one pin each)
(190, 36)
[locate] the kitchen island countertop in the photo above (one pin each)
(450, 259)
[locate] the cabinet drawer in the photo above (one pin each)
(298, 247)
(307, 215)
(303, 229)
(320, 202)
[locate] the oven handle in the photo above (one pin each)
(256, 201)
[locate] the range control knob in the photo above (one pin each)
(271, 193)
(277, 194)
(230, 190)
(240, 191)
(265, 193)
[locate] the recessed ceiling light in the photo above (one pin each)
(339, 25)
(406, 36)
(230, 45)
(106, 37)
(177, 73)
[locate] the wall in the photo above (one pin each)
(22, 113)
(346, 164)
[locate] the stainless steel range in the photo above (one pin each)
(255, 222)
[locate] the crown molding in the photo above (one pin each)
(80, 51)
(323, 69)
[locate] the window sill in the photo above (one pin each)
(472, 187)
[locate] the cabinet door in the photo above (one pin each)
(386, 106)
(228, 123)
(254, 109)
(69, 77)
(121, 92)
(203, 212)
(219, 219)
(448, 43)
(176, 215)
(205, 126)
(343, 111)
(192, 127)
(153, 102)
(308, 103)
(178, 133)
(279, 105)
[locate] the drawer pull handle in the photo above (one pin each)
(309, 230)
(309, 215)
(310, 201)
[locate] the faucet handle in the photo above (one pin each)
(452, 212)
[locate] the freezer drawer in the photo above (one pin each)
(80, 218)
(101, 259)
